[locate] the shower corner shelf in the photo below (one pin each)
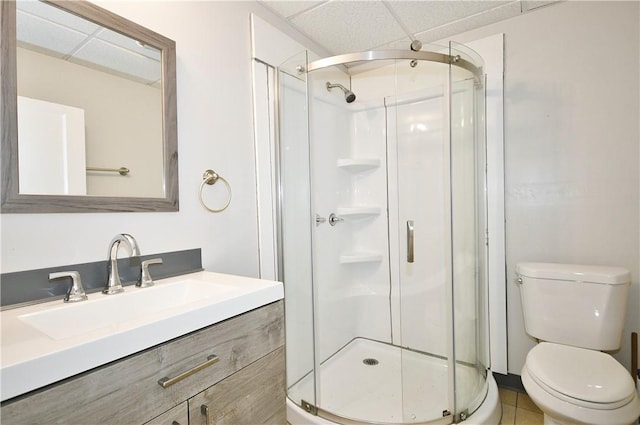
(357, 212)
(360, 257)
(357, 165)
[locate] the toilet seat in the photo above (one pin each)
(579, 376)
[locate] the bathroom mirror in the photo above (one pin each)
(88, 111)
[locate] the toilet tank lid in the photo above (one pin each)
(575, 272)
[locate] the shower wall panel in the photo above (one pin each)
(336, 316)
(370, 231)
(351, 269)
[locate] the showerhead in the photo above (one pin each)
(349, 96)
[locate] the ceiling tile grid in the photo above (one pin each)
(110, 57)
(288, 8)
(46, 35)
(128, 43)
(343, 26)
(53, 14)
(420, 15)
(50, 30)
(443, 32)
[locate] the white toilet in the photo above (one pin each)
(575, 311)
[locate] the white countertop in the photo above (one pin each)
(31, 358)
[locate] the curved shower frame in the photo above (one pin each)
(454, 60)
(373, 55)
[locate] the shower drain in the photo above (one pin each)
(370, 362)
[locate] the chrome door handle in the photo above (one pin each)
(409, 241)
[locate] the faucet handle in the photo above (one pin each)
(76, 290)
(145, 278)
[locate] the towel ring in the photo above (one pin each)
(211, 177)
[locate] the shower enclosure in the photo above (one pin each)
(382, 231)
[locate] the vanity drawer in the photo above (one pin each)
(254, 395)
(127, 391)
(179, 415)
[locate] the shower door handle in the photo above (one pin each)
(409, 241)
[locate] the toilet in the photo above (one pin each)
(574, 312)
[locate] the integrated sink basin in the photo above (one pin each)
(115, 311)
(45, 343)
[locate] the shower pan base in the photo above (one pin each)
(381, 383)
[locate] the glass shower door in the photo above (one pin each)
(350, 257)
(468, 233)
(382, 236)
(419, 191)
(295, 256)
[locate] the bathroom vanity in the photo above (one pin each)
(228, 372)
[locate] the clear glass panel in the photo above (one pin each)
(375, 327)
(351, 255)
(468, 229)
(417, 120)
(296, 229)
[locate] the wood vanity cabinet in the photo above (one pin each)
(178, 415)
(245, 386)
(253, 395)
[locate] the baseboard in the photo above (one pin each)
(509, 381)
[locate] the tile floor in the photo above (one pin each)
(518, 409)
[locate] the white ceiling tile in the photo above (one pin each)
(128, 43)
(501, 13)
(32, 31)
(420, 15)
(112, 57)
(342, 26)
(345, 26)
(290, 8)
(50, 30)
(401, 44)
(54, 14)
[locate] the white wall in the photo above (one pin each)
(571, 145)
(571, 128)
(214, 131)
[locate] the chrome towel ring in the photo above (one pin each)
(211, 177)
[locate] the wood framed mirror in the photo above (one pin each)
(88, 109)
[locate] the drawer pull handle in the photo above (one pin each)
(204, 409)
(167, 382)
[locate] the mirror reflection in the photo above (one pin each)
(90, 107)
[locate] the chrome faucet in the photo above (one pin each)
(114, 285)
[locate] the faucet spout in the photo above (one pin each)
(114, 285)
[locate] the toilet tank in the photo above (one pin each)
(582, 306)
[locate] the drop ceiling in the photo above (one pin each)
(339, 26)
(344, 26)
(60, 34)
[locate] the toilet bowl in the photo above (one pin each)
(579, 386)
(574, 311)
